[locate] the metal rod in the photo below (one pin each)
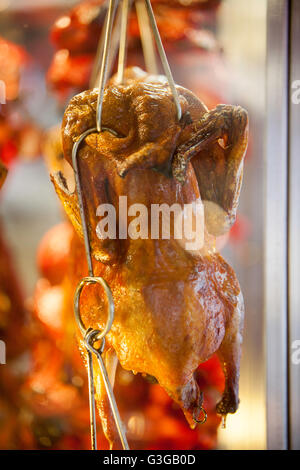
(93, 425)
(90, 336)
(114, 44)
(163, 58)
(80, 195)
(80, 199)
(103, 70)
(146, 37)
(126, 4)
(99, 52)
(95, 75)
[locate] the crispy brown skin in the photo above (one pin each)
(173, 308)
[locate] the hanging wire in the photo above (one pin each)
(99, 51)
(80, 199)
(126, 5)
(110, 41)
(163, 58)
(90, 335)
(146, 37)
(115, 38)
(142, 7)
(97, 335)
(92, 406)
(103, 70)
(90, 338)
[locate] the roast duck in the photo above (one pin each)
(174, 307)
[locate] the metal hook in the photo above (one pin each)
(94, 79)
(90, 335)
(163, 58)
(146, 37)
(80, 195)
(90, 339)
(126, 5)
(80, 198)
(142, 9)
(102, 76)
(99, 51)
(196, 418)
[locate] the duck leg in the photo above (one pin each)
(229, 354)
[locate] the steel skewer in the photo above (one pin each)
(93, 423)
(96, 334)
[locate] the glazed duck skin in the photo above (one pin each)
(173, 308)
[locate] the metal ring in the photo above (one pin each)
(111, 307)
(196, 419)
